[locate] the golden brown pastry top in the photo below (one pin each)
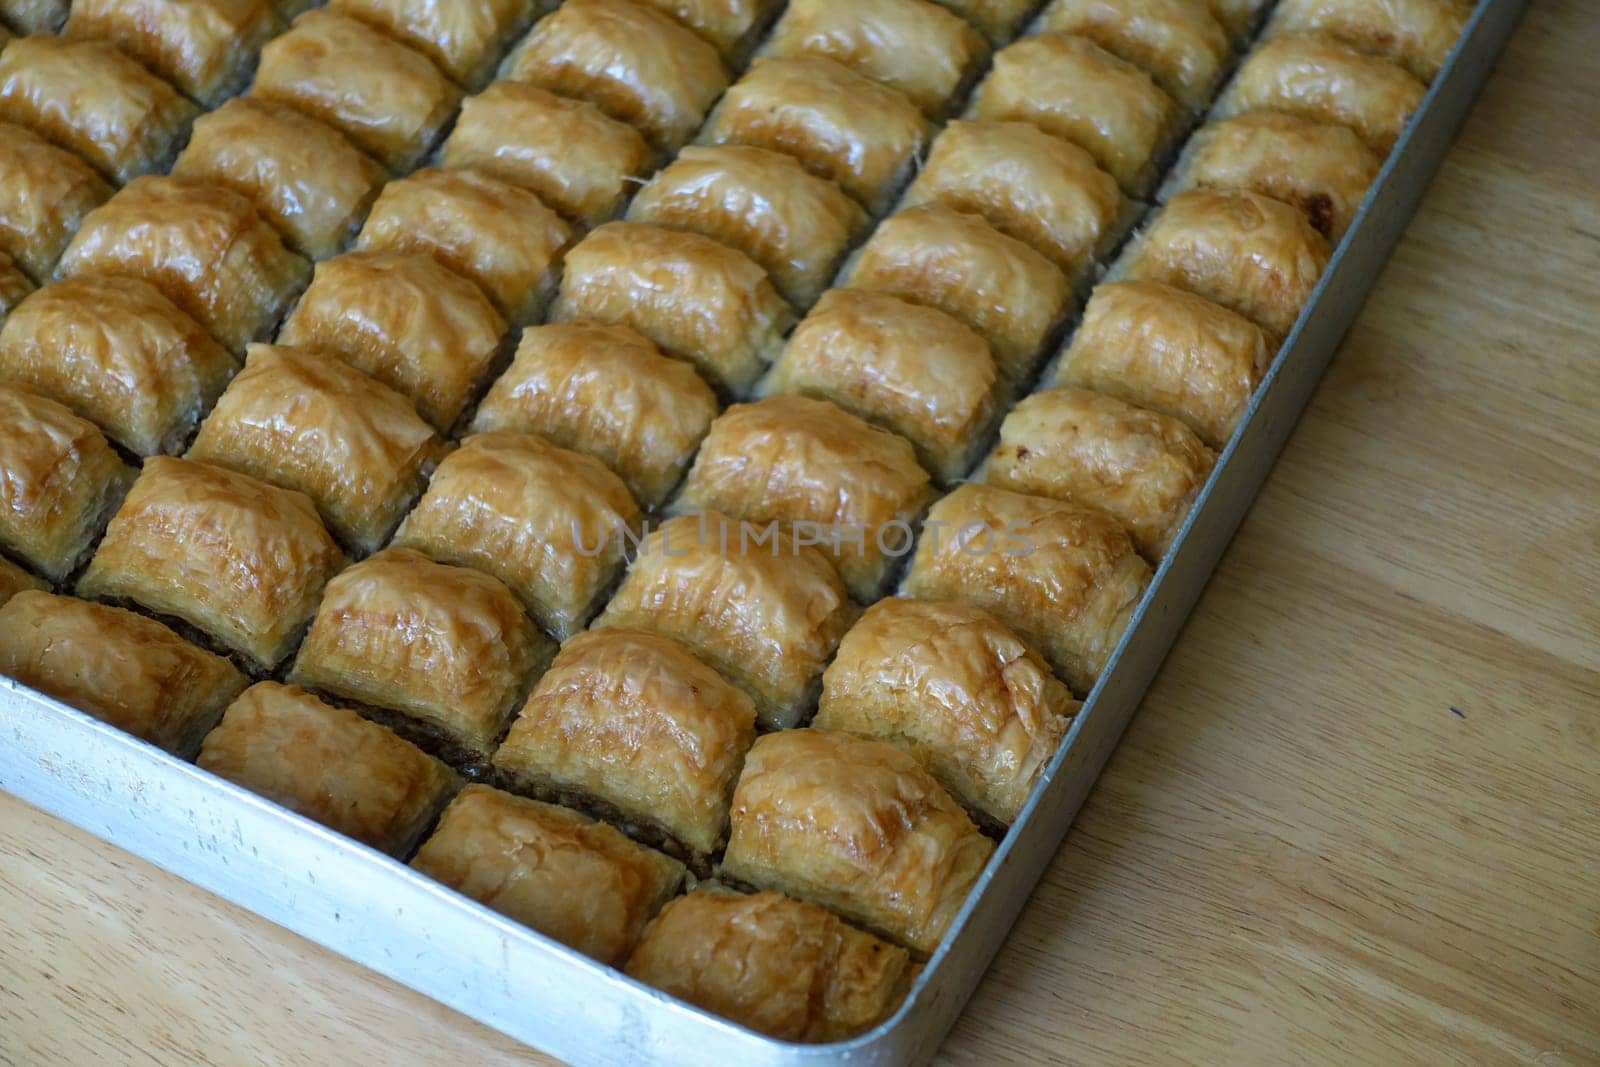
(122, 668)
(1327, 81)
(782, 967)
(1177, 42)
(727, 24)
(328, 764)
(305, 421)
(839, 124)
(551, 524)
(304, 177)
(1141, 467)
(1250, 253)
(577, 159)
(493, 233)
(566, 876)
(850, 488)
(608, 392)
(44, 193)
(390, 100)
(1074, 89)
(203, 48)
(958, 263)
(856, 826)
(118, 353)
(463, 39)
(633, 62)
(447, 646)
(908, 368)
(697, 298)
(13, 580)
(417, 327)
(242, 561)
(1170, 351)
(762, 609)
(90, 98)
(203, 246)
(1000, 20)
(917, 47)
(957, 689)
(1044, 191)
(1064, 577)
(59, 481)
(665, 753)
(1322, 169)
(1417, 33)
(764, 203)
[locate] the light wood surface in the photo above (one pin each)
(1300, 852)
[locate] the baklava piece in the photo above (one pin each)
(1418, 34)
(1074, 89)
(630, 60)
(848, 487)
(241, 561)
(570, 878)
(14, 287)
(1248, 252)
(958, 690)
(120, 354)
(795, 225)
(1170, 351)
(447, 651)
(204, 47)
(663, 751)
(839, 124)
(697, 298)
(1046, 192)
(90, 98)
(14, 580)
(302, 421)
(856, 826)
(328, 764)
(34, 16)
(1183, 48)
(763, 609)
(60, 482)
(553, 525)
(465, 40)
(1140, 467)
(1065, 578)
(915, 46)
(781, 967)
(607, 392)
(1325, 81)
(303, 176)
(1322, 169)
(569, 153)
(122, 668)
(998, 19)
(391, 101)
(494, 234)
(730, 25)
(204, 247)
(958, 263)
(45, 192)
(405, 319)
(908, 368)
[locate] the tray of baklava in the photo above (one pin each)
(642, 519)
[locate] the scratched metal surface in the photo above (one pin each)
(381, 914)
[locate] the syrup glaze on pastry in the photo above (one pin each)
(45, 192)
(1177, 42)
(730, 25)
(1419, 34)
(465, 40)
(204, 47)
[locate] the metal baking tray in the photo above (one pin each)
(381, 914)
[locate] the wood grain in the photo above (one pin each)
(1299, 849)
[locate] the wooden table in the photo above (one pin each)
(1358, 819)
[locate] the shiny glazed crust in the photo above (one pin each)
(205, 48)
(45, 192)
(1418, 34)
(1177, 42)
(465, 40)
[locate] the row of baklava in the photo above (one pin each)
(677, 597)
